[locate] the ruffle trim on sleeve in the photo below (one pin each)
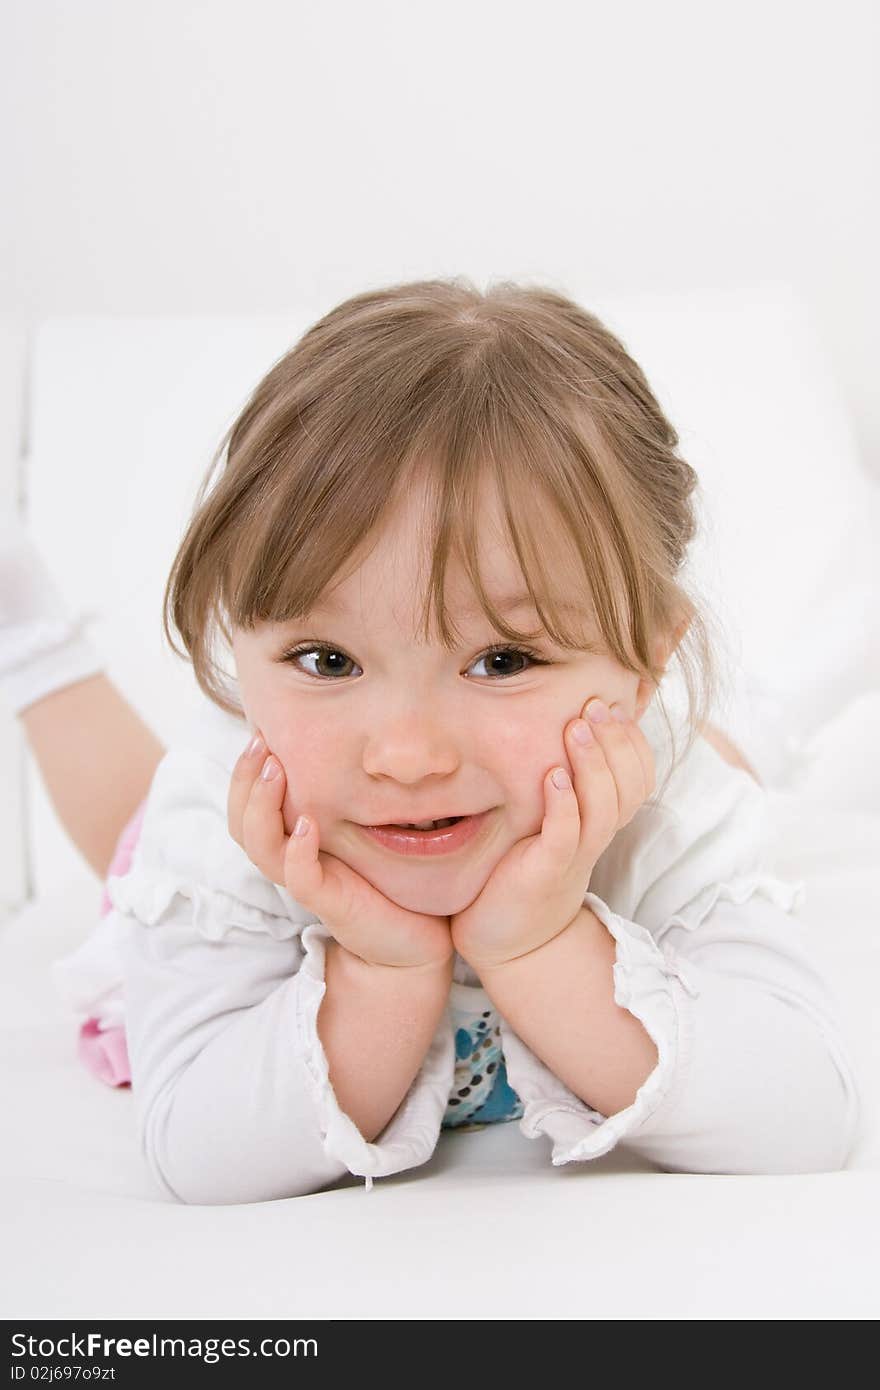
(785, 895)
(411, 1135)
(148, 896)
(652, 984)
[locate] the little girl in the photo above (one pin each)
(447, 851)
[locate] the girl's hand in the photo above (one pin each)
(357, 915)
(538, 888)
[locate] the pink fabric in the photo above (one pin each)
(124, 852)
(105, 1053)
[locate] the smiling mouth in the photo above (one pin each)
(451, 834)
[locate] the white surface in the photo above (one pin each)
(126, 414)
(13, 889)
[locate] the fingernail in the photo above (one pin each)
(270, 769)
(581, 732)
(597, 711)
(255, 746)
(560, 779)
(302, 825)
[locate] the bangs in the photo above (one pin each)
(561, 552)
(485, 437)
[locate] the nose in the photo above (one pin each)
(411, 746)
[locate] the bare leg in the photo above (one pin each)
(728, 750)
(97, 759)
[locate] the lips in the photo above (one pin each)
(447, 840)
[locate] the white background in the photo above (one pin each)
(211, 155)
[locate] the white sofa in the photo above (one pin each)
(122, 416)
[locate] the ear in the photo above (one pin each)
(663, 649)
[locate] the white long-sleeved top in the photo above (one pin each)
(218, 976)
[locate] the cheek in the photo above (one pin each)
(305, 742)
(523, 749)
(309, 788)
(311, 768)
(305, 771)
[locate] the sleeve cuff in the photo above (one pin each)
(410, 1137)
(652, 984)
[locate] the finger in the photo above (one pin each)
(640, 758)
(645, 754)
(321, 882)
(264, 840)
(561, 826)
(304, 874)
(244, 774)
(614, 734)
(595, 786)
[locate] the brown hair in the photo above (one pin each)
(518, 385)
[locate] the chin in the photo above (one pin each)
(444, 900)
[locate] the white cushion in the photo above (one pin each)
(787, 549)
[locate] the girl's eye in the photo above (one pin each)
(316, 649)
(503, 651)
(336, 660)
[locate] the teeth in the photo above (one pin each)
(429, 824)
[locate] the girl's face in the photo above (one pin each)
(372, 727)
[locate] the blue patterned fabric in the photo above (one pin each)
(480, 1092)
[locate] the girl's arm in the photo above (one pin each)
(719, 1053)
(233, 1098)
(229, 989)
(376, 1024)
